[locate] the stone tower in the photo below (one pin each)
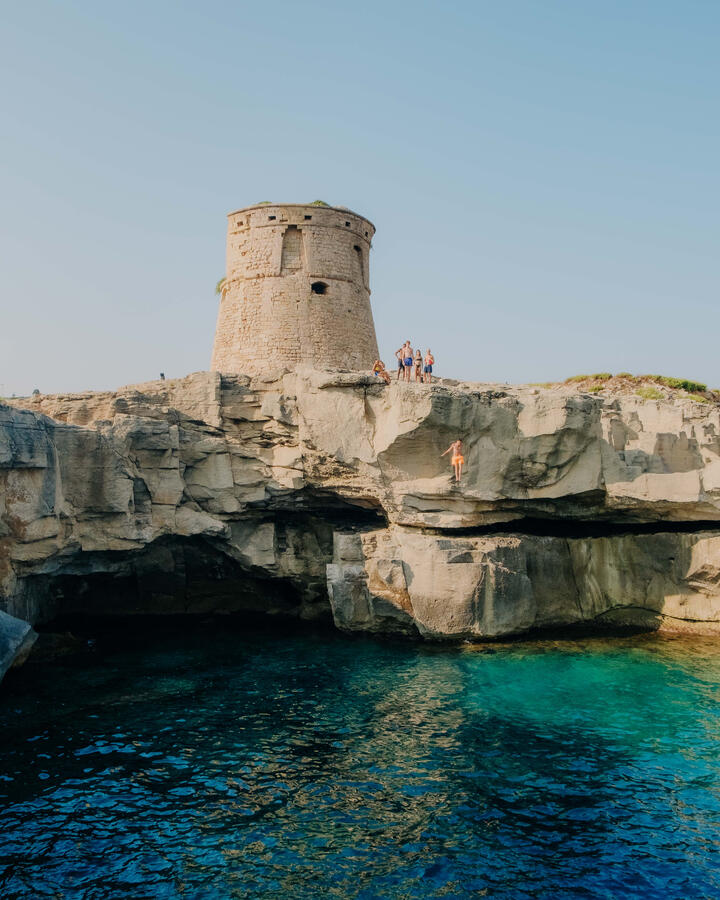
(296, 290)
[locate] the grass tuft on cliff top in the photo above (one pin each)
(681, 384)
(647, 392)
(599, 376)
(649, 387)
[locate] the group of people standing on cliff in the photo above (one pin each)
(411, 365)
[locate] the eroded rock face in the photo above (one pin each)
(283, 492)
(400, 580)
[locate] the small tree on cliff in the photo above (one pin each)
(220, 287)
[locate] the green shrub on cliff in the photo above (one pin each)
(619, 381)
(650, 393)
(598, 376)
(682, 384)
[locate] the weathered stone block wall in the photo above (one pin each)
(270, 316)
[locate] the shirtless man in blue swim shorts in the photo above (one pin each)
(408, 360)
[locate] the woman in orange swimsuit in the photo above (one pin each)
(457, 458)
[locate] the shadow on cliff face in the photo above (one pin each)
(417, 454)
(175, 576)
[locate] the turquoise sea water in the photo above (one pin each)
(232, 764)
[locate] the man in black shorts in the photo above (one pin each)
(400, 355)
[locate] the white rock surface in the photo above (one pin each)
(399, 579)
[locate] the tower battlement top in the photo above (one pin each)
(308, 209)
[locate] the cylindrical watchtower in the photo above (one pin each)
(296, 290)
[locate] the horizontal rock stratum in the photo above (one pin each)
(320, 492)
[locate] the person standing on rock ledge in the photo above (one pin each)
(408, 360)
(457, 458)
(429, 363)
(399, 355)
(405, 361)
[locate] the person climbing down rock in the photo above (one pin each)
(457, 458)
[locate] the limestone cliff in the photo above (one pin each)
(313, 492)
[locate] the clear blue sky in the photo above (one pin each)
(543, 177)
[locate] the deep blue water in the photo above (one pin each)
(247, 765)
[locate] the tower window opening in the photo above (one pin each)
(307, 218)
(318, 287)
(360, 264)
(366, 234)
(293, 252)
(272, 218)
(347, 224)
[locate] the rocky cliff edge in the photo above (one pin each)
(317, 493)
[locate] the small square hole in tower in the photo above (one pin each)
(272, 218)
(307, 218)
(318, 287)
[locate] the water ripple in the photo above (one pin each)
(226, 765)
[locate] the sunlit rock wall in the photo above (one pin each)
(319, 493)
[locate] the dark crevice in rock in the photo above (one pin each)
(571, 528)
(325, 506)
